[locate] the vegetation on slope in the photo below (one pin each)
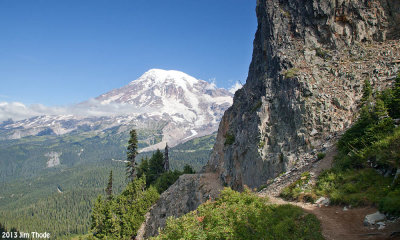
(120, 217)
(243, 215)
(26, 157)
(300, 190)
(153, 171)
(34, 203)
(369, 157)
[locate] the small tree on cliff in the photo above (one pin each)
(131, 155)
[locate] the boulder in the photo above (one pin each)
(371, 219)
(323, 201)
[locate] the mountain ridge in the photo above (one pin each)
(182, 102)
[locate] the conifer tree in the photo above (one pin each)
(166, 158)
(143, 168)
(395, 104)
(98, 218)
(156, 166)
(109, 187)
(131, 155)
(380, 111)
(367, 92)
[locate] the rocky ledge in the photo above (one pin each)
(185, 195)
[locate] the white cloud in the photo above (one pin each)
(18, 111)
(235, 87)
(212, 85)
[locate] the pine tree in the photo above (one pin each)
(98, 218)
(109, 187)
(394, 108)
(156, 166)
(166, 158)
(143, 168)
(367, 92)
(131, 155)
(380, 111)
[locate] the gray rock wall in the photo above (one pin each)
(309, 63)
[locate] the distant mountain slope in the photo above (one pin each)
(191, 107)
(182, 106)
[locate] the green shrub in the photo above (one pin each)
(291, 73)
(262, 187)
(237, 215)
(391, 203)
(385, 152)
(261, 144)
(229, 139)
(166, 179)
(187, 169)
(321, 155)
(299, 190)
(356, 188)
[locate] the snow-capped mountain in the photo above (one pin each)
(186, 107)
(182, 97)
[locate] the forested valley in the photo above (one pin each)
(60, 201)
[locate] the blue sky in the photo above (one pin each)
(64, 52)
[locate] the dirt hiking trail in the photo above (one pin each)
(336, 223)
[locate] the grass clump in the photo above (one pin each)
(291, 73)
(243, 215)
(300, 190)
(321, 155)
(322, 53)
(261, 144)
(262, 187)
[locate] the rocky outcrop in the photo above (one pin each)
(310, 60)
(185, 195)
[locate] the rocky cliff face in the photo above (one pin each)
(310, 60)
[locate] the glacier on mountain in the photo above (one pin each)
(188, 108)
